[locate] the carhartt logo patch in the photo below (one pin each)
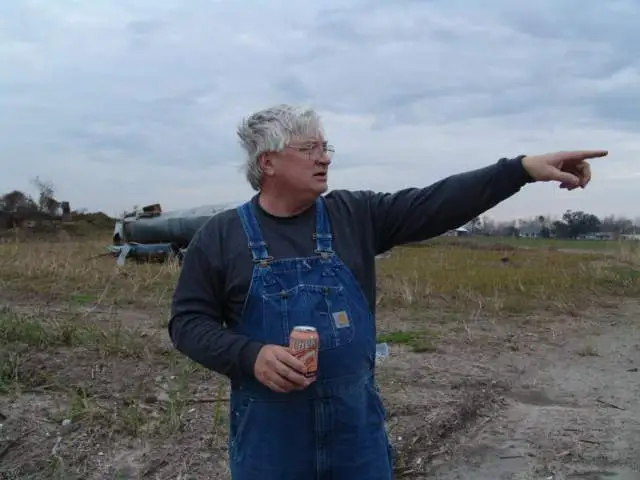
(341, 319)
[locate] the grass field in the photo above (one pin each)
(538, 243)
(90, 386)
(551, 243)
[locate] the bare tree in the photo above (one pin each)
(46, 200)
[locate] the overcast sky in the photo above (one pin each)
(125, 102)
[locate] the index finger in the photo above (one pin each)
(584, 154)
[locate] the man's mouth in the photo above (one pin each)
(320, 175)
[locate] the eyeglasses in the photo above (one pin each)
(315, 151)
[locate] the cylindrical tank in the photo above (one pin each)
(176, 227)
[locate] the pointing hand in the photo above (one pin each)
(569, 168)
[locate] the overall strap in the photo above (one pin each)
(322, 235)
(252, 230)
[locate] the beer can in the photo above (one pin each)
(304, 344)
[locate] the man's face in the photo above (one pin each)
(302, 166)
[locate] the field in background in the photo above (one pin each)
(90, 386)
(546, 243)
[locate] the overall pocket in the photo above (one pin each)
(326, 308)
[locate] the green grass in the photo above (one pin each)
(552, 243)
(418, 341)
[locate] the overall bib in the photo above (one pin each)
(334, 429)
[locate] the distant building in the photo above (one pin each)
(530, 231)
(630, 236)
(596, 236)
(66, 211)
(458, 232)
(604, 235)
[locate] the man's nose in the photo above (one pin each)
(324, 159)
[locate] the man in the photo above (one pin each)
(293, 256)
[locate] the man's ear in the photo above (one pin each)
(266, 163)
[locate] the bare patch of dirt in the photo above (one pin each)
(79, 415)
(563, 414)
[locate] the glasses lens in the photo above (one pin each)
(329, 151)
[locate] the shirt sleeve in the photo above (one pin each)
(196, 326)
(417, 214)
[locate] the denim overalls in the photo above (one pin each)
(334, 429)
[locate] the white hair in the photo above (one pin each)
(270, 130)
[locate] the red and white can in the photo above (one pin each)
(304, 344)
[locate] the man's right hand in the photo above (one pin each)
(279, 370)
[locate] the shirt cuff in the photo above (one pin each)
(248, 356)
(521, 171)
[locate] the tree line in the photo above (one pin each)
(18, 207)
(571, 225)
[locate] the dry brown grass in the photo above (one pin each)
(455, 276)
(73, 271)
(90, 386)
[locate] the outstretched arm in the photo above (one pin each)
(417, 214)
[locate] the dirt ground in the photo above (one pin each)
(564, 400)
(552, 398)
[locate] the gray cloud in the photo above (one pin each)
(142, 98)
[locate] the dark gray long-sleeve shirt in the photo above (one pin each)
(216, 270)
